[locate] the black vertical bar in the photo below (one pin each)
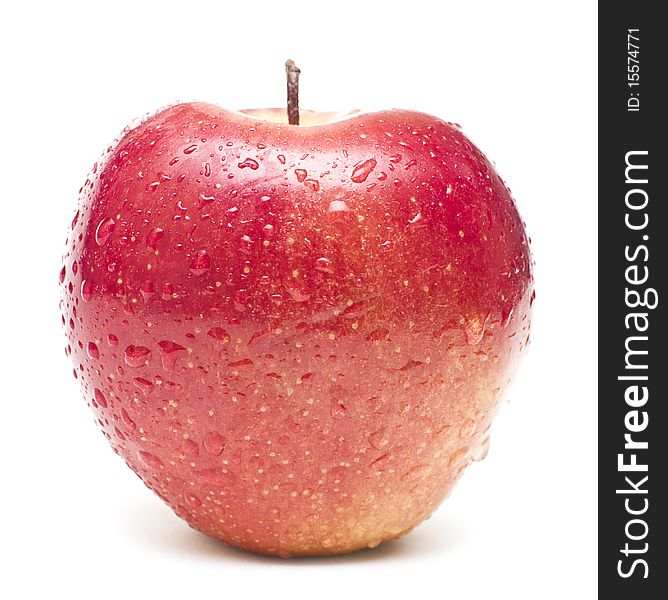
(633, 261)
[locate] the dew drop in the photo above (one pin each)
(301, 175)
(337, 206)
(127, 421)
(100, 398)
(201, 263)
(62, 274)
(378, 334)
(150, 460)
(136, 356)
(190, 149)
(312, 185)
(191, 499)
(324, 265)
(167, 291)
(506, 315)
(219, 477)
(378, 439)
(337, 408)
(249, 163)
(457, 457)
(218, 334)
(362, 170)
(244, 362)
(147, 290)
(214, 443)
(474, 328)
(112, 340)
(481, 452)
(93, 351)
(297, 292)
(86, 290)
(144, 385)
(170, 353)
(190, 448)
(467, 429)
(154, 237)
(104, 229)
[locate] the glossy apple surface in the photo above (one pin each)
(297, 336)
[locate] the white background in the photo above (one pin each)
(518, 76)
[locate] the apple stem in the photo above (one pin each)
(292, 71)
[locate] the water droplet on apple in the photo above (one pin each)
(167, 291)
(144, 385)
(112, 340)
(378, 439)
(154, 237)
(301, 175)
(378, 334)
(170, 353)
(458, 456)
(62, 274)
(506, 316)
(86, 290)
(191, 499)
(104, 229)
(411, 364)
(474, 328)
(337, 408)
(312, 184)
(362, 170)
(150, 460)
(481, 452)
(467, 429)
(147, 290)
(127, 421)
(297, 291)
(100, 398)
(190, 149)
(218, 334)
(244, 362)
(201, 263)
(93, 351)
(214, 443)
(218, 477)
(136, 356)
(249, 163)
(324, 265)
(337, 206)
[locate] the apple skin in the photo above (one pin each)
(296, 336)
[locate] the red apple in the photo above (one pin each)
(297, 336)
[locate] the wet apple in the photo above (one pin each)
(297, 336)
